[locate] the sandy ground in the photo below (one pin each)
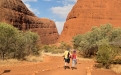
(53, 65)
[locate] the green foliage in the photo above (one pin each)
(56, 51)
(106, 53)
(77, 40)
(31, 40)
(25, 44)
(115, 34)
(19, 48)
(88, 42)
(17, 44)
(46, 48)
(52, 49)
(8, 34)
(64, 45)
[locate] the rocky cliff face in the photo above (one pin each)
(88, 13)
(16, 13)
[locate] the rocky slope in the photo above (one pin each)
(16, 13)
(88, 13)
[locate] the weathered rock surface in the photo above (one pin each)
(16, 13)
(88, 13)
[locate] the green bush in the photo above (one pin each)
(8, 35)
(17, 44)
(52, 49)
(105, 54)
(31, 40)
(64, 45)
(56, 51)
(88, 42)
(46, 48)
(26, 44)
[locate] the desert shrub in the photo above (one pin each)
(8, 35)
(31, 40)
(52, 49)
(17, 44)
(105, 54)
(26, 44)
(88, 43)
(64, 45)
(56, 51)
(68, 46)
(19, 49)
(115, 35)
(46, 48)
(54, 46)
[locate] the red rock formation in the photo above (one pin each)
(16, 13)
(88, 13)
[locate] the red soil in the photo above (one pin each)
(53, 65)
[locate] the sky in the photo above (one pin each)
(56, 10)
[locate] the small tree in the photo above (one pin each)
(17, 44)
(31, 40)
(105, 54)
(7, 37)
(20, 46)
(88, 42)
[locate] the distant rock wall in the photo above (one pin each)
(88, 13)
(16, 13)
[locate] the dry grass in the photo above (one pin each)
(31, 58)
(116, 68)
(12, 62)
(9, 62)
(85, 59)
(51, 54)
(54, 51)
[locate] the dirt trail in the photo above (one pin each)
(53, 65)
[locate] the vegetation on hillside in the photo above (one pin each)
(57, 49)
(17, 44)
(103, 41)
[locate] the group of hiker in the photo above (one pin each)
(70, 55)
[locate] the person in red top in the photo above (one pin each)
(74, 59)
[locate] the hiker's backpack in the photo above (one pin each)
(68, 56)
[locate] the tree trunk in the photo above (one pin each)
(3, 55)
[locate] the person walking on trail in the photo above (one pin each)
(74, 60)
(66, 56)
